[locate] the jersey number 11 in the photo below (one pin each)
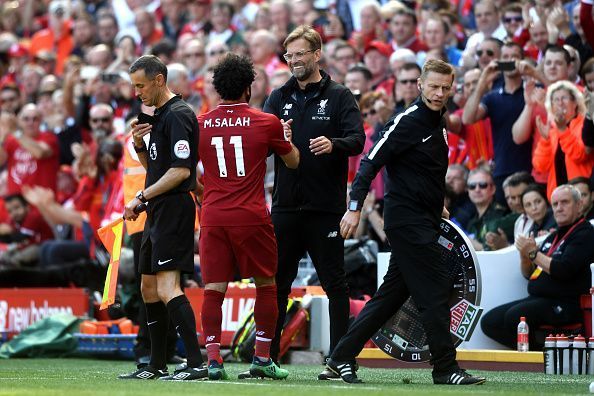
(217, 142)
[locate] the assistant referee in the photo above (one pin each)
(414, 150)
(168, 238)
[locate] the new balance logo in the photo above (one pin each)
(332, 234)
(260, 332)
(210, 338)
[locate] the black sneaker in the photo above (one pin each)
(185, 373)
(328, 375)
(145, 373)
(345, 370)
(245, 375)
(459, 377)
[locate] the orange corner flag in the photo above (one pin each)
(111, 236)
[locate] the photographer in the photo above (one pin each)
(503, 106)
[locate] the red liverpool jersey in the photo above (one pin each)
(235, 141)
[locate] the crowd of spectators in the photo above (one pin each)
(519, 123)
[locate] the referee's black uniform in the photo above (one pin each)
(168, 237)
(414, 151)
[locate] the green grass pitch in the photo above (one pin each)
(70, 377)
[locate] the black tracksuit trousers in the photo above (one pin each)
(317, 233)
(414, 270)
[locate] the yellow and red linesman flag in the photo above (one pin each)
(111, 236)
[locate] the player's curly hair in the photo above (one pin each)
(232, 75)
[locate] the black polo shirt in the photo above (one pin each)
(173, 143)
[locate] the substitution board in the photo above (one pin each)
(403, 336)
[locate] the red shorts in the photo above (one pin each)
(225, 250)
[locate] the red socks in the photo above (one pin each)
(212, 318)
(265, 315)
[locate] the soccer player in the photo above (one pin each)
(236, 230)
(167, 247)
(414, 150)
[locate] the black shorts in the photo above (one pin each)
(168, 237)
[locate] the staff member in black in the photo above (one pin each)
(414, 150)
(326, 126)
(168, 238)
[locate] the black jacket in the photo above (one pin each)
(570, 265)
(330, 109)
(414, 151)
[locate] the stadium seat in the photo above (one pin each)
(574, 329)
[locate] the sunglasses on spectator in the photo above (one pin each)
(370, 112)
(411, 81)
(217, 52)
(101, 119)
(512, 19)
(489, 52)
(481, 185)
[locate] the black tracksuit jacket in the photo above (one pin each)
(329, 109)
(413, 148)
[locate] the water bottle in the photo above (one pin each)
(591, 356)
(578, 362)
(523, 335)
(550, 363)
(563, 351)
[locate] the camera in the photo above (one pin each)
(506, 66)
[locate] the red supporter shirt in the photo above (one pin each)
(24, 169)
(35, 226)
(97, 197)
(235, 141)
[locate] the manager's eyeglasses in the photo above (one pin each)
(481, 185)
(299, 54)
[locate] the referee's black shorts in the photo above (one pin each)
(168, 237)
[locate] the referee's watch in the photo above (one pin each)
(353, 205)
(532, 255)
(140, 196)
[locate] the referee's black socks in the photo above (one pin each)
(157, 320)
(182, 316)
